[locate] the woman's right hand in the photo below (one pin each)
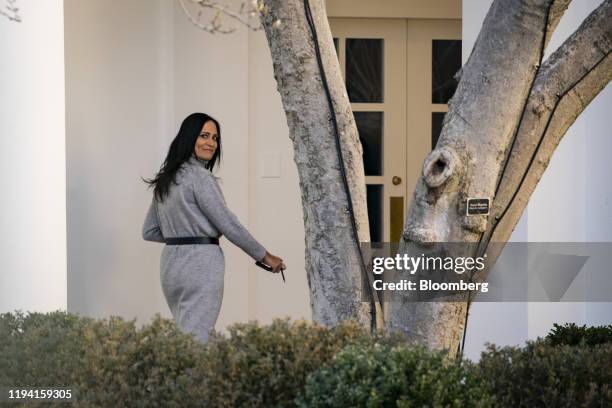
(274, 261)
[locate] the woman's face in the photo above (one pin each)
(206, 144)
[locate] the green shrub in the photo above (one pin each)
(151, 367)
(267, 366)
(110, 362)
(106, 363)
(541, 375)
(383, 376)
(40, 349)
(573, 335)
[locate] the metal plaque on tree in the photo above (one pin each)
(478, 206)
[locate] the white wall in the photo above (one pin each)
(118, 120)
(135, 70)
(570, 204)
(32, 159)
(577, 182)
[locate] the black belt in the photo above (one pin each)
(191, 240)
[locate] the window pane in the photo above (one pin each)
(375, 206)
(337, 46)
(436, 127)
(445, 62)
(370, 128)
(364, 70)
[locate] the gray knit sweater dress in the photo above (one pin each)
(192, 275)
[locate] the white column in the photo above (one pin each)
(32, 159)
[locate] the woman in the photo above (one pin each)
(189, 214)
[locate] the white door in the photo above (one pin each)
(399, 77)
(372, 54)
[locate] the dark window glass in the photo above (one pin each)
(375, 207)
(337, 46)
(436, 127)
(445, 62)
(369, 126)
(364, 70)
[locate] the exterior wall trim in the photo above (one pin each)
(440, 9)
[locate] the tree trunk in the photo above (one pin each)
(567, 82)
(503, 124)
(333, 264)
(503, 106)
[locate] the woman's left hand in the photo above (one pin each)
(274, 261)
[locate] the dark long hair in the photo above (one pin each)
(181, 149)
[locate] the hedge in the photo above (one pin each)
(383, 376)
(541, 375)
(267, 366)
(107, 362)
(574, 335)
(111, 362)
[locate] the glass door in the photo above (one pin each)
(399, 75)
(372, 55)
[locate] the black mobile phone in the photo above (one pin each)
(269, 268)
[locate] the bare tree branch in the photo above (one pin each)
(12, 11)
(568, 81)
(555, 12)
(215, 25)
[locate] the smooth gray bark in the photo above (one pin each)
(568, 81)
(332, 257)
(479, 128)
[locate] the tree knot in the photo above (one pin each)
(439, 166)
